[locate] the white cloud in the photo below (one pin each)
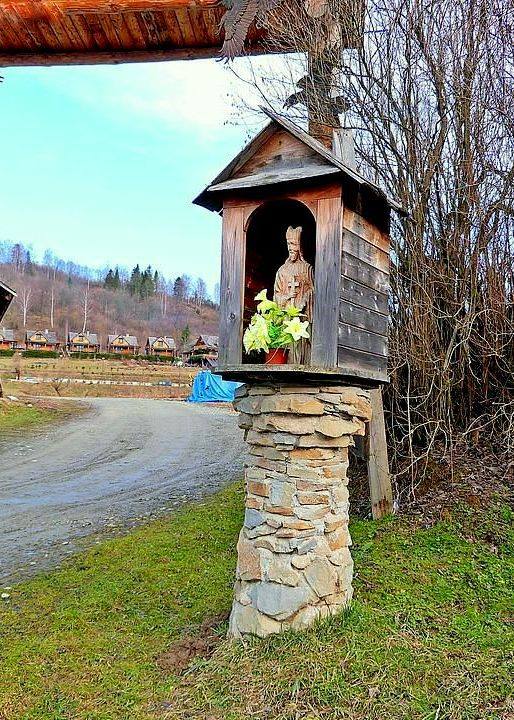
(200, 94)
(192, 93)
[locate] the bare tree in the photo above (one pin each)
(23, 300)
(85, 307)
(52, 304)
(199, 293)
(429, 97)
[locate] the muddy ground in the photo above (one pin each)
(124, 461)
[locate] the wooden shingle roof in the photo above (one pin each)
(207, 340)
(321, 162)
(92, 338)
(170, 342)
(131, 340)
(47, 336)
(7, 335)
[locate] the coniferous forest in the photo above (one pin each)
(63, 296)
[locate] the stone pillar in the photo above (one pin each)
(294, 563)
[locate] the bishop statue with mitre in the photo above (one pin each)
(294, 285)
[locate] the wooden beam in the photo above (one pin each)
(110, 6)
(116, 57)
(380, 489)
(104, 58)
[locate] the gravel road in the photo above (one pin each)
(120, 463)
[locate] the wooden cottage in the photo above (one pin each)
(202, 351)
(6, 297)
(164, 345)
(44, 340)
(7, 339)
(123, 344)
(83, 342)
(285, 181)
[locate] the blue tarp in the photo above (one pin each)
(212, 388)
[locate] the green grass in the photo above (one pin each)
(18, 417)
(429, 635)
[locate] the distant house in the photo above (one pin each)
(83, 342)
(45, 340)
(7, 339)
(163, 345)
(6, 297)
(203, 351)
(123, 344)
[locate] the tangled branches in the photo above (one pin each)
(429, 95)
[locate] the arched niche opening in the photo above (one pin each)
(266, 249)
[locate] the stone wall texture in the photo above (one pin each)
(294, 563)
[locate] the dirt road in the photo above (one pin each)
(120, 463)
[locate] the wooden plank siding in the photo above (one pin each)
(364, 251)
(364, 340)
(364, 295)
(362, 317)
(361, 364)
(364, 274)
(327, 282)
(232, 286)
(364, 285)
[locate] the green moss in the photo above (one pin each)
(428, 636)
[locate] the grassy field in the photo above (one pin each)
(51, 375)
(15, 416)
(429, 636)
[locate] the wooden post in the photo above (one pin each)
(380, 489)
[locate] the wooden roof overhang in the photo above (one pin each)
(6, 297)
(91, 32)
(326, 166)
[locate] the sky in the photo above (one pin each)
(100, 164)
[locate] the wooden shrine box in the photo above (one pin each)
(6, 297)
(284, 177)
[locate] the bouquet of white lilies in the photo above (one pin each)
(273, 327)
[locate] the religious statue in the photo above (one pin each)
(294, 285)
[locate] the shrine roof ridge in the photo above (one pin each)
(330, 165)
(7, 289)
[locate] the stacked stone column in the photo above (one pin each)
(294, 563)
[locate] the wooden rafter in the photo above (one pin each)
(70, 32)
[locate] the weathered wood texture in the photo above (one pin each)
(286, 373)
(51, 32)
(73, 32)
(355, 185)
(350, 252)
(232, 286)
(280, 152)
(364, 284)
(327, 282)
(274, 175)
(380, 489)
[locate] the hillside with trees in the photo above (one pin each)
(60, 295)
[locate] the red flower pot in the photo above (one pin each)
(276, 356)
